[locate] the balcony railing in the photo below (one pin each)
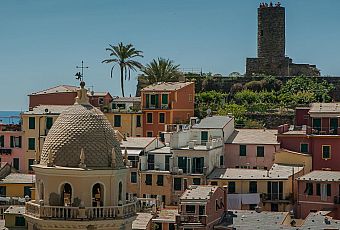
(78, 213)
(191, 219)
(278, 197)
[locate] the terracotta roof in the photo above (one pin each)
(166, 215)
(253, 136)
(214, 122)
(325, 108)
(18, 178)
(198, 192)
(321, 175)
(276, 172)
(166, 86)
(47, 109)
(57, 89)
(137, 142)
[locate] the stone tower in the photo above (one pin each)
(271, 58)
(271, 32)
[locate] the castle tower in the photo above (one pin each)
(271, 58)
(271, 32)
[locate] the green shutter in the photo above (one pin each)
(49, 122)
(243, 150)
(165, 100)
(117, 120)
(12, 142)
(31, 143)
(157, 100)
(304, 148)
(204, 136)
(147, 100)
(20, 140)
(31, 122)
(2, 141)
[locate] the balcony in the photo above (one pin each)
(277, 197)
(5, 151)
(191, 219)
(78, 213)
(158, 106)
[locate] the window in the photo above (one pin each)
(133, 177)
(16, 163)
(167, 163)
(31, 143)
(190, 97)
(133, 161)
(196, 181)
(147, 100)
(221, 160)
(148, 179)
(165, 99)
(177, 184)
(20, 221)
(204, 136)
(329, 191)
(326, 152)
(151, 161)
(100, 101)
(138, 121)
(49, 122)
(213, 183)
(15, 142)
(149, 118)
(2, 141)
(3, 191)
(160, 179)
(190, 208)
(172, 226)
(117, 121)
(243, 150)
(252, 206)
(27, 191)
(31, 122)
(30, 163)
(252, 187)
(260, 151)
(317, 124)
(309, 189)
(161, 118)
(304, 147)
(318, 189)
(197, 165)
(182, 163)
(201, 210)
(154, 100)
(149, 133)
(231, 187)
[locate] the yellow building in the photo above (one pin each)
(35, 125)
(14, 218)
(273, 189)
(284, 156)
(17, 185)
(126, 116)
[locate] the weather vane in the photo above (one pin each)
(80, 76)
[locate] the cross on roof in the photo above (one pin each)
(80, 76)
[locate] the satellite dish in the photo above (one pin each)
(209, 112)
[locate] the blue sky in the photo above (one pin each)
(43, 40)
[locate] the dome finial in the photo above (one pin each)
(82, 158)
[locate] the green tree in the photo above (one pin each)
(123, 56)
(161, 70)
(238, 111)
(246, 97)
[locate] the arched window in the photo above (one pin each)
(66, 194)
(120, 191)
(97, 195)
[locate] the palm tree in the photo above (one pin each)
(161, 70)
(123, 55)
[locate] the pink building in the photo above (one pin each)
(251, 148)
(11, 150)
(319, 191)
(201, 207)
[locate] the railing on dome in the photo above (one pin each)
(78, 213)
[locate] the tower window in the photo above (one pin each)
(261, 32)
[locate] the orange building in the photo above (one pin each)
(166, 103)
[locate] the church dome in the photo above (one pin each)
(84, 129)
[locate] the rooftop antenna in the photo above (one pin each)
(80, 76)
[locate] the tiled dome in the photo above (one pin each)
(81, 126)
